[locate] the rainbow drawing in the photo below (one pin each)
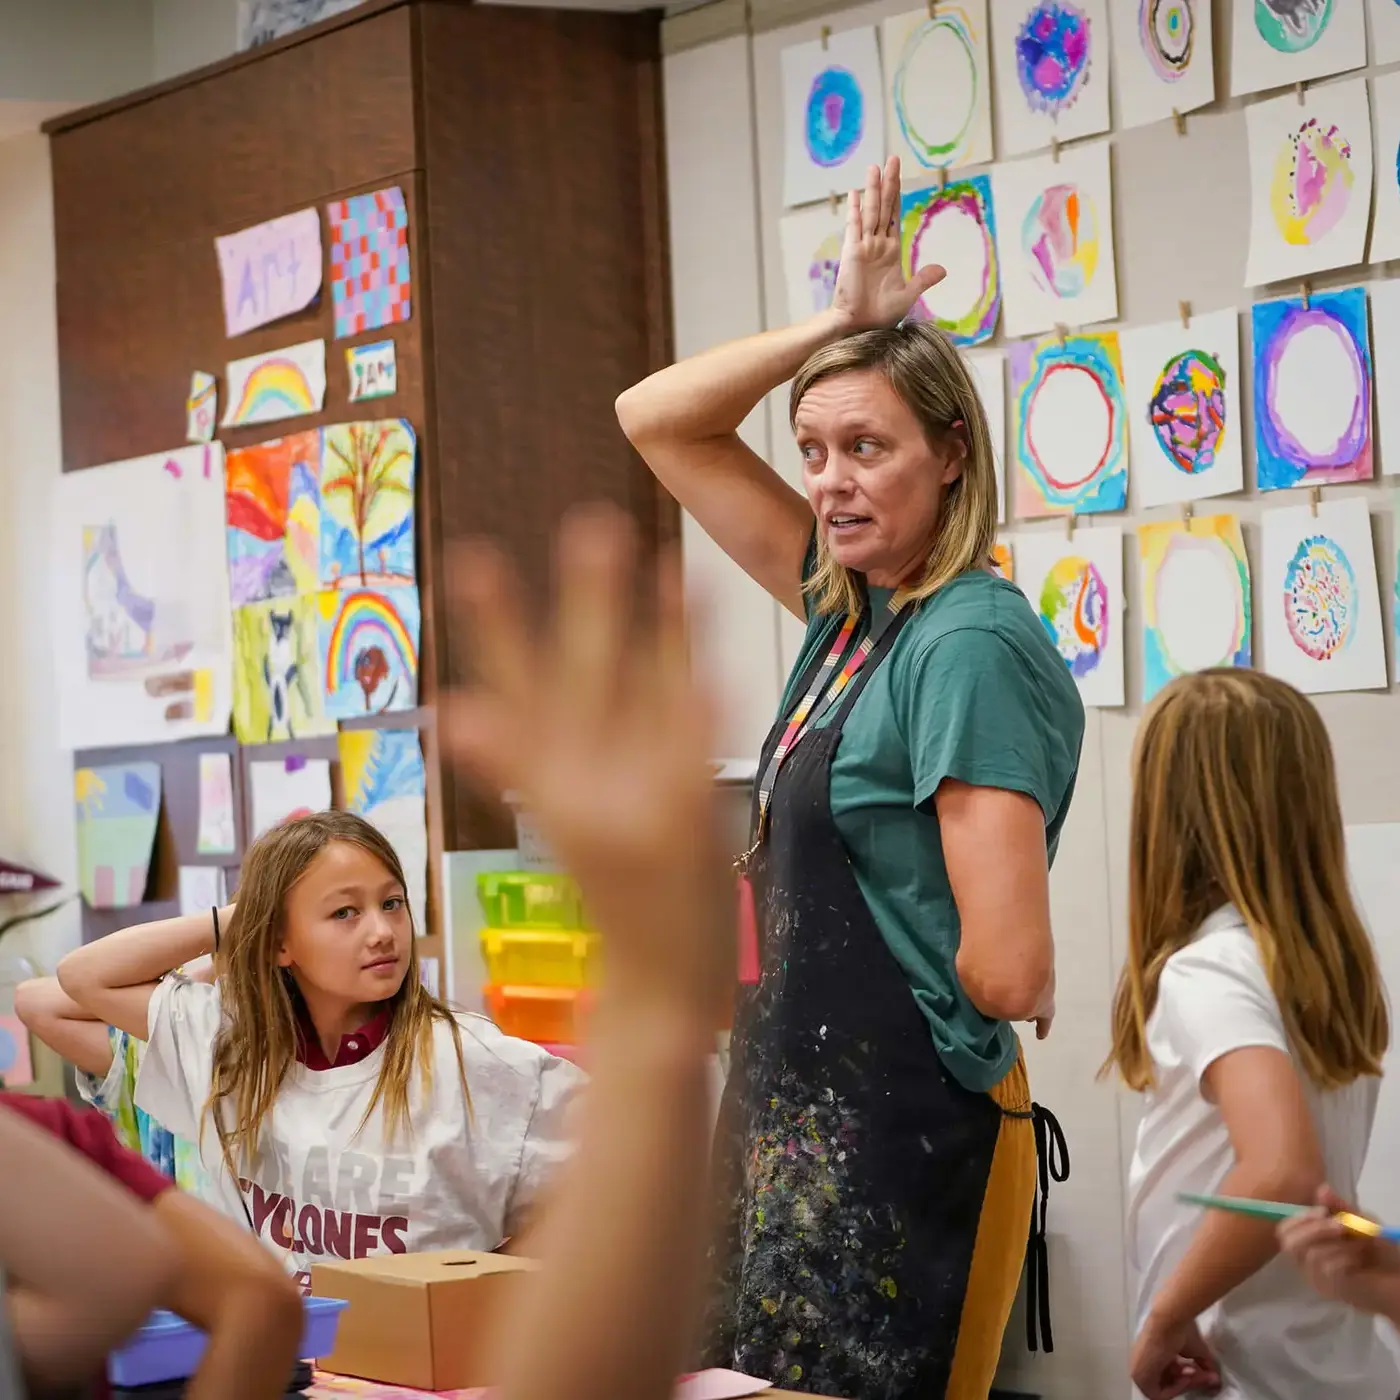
(279, 384)
(369, 650)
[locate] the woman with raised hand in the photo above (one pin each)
(878, 1132)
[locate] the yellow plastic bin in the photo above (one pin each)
(524, 899)
(540, 957)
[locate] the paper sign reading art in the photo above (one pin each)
(371, 277)
(1069, 425)
(278, 384)
(1385, 93)
(385, 782)
(270, 271)
(1183, 393)
(374, 371)
(1165, 59)
(118, 810)
(833, 115)
(1310, 182)
(1385, 327)
(988, 369)
(1196, 602)
(285, 788)
(1051, 64)
(1277, 43)
(217, 834)
(141, 637)
(938, 87)
(1056, 240)
(811, 241)
(955, 226)
(1321, 603)
(1077, 588)
(1312, 390)
(202, 407)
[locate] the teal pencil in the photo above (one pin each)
(1283, 1210)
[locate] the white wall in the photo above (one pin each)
(190, 33)
(74, 50)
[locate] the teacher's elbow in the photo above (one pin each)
(1006, 985)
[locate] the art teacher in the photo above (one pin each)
(877, 1147)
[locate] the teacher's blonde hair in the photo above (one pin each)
(923, 366)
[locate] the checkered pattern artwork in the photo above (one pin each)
(370, 281)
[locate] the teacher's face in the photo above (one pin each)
(875, 483)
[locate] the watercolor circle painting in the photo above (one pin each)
(1074, 609)
(1167, 31)
(955, 226)
(1290, 26)
(937, 86)
(835, 116)
(1319, 598)
(1053, 52)
(1187, 411)
(1060, 240)
(1312, 183)
(1198, 606)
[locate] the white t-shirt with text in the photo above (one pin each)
(456, 1176)
(1275, 1338)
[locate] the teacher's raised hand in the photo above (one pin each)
(871, 288)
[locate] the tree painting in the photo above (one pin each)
(367, 472)
(371, 671)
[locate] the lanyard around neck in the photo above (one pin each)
(820, 697)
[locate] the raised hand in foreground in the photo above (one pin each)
(600, 729)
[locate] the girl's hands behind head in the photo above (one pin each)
(599, 726)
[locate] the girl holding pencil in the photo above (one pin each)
(1250, 1015)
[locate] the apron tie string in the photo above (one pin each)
(1052, 1164)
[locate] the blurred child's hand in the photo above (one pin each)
(600, 728)
(1361, 1272)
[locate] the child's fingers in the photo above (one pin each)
(1307, 1232)
(483, 735)
(486, 591)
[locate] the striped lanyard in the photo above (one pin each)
(822, 695)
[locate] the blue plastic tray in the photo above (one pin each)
(168, 1348)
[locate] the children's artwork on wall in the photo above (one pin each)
(1056, 243)
(118, 810)
(202, 407)
(956, 227)
(286, 788)
(988, 369)
(1277, 43)
(141, 637)
(262, 21)
(1312, 390)
(1165, 59)
(811, 242)
(277, 690)
(1385, 31)
(373, 369)
(367, 514)
(1385, 97)
(1385, 328)
(368, 648)
(217, 832)
(1050, 59)
(278, 384)
(1310, 182)
(938, 87)
(16, 1061)
(1321, 602)
(274, 518)
(270, 271)
(384, 781)
(202, 888)
(1068, 425)
(1003, 560)
(1196, 598)
(833, 115)
(1183, 391)
(371, 277)
(1076, 586)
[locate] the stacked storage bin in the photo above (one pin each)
(540, 956)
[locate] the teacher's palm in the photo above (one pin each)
(871, 288)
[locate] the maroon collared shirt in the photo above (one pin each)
(356, 1046)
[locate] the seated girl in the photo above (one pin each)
(337, 1107)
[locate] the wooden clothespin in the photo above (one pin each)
(826, 39)
(835, 204)
(1069, 526)
(1061, 332)
(1306, 291)
(942, 177)
(1055, 149)
(1314, 499)
(1301, 90)
(1188, 510)
(1184, 310)
(1179, 121)
(933, 9)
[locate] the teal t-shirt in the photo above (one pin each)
(972, 689)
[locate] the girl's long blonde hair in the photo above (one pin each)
(922, 366)
(1235, 801)
(257, 1043)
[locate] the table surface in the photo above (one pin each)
(330, 1387)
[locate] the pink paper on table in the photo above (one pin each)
(703, 1385)
(270, 270)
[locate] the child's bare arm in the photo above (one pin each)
(53, 1017)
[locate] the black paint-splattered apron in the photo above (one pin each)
(853, 1169)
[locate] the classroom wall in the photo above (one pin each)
(74, 50)
(188, 34)
(723, 179)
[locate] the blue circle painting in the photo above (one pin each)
(1052, 55)
(835, 116)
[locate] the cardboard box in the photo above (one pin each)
(420, 1320)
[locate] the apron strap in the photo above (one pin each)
(1052, 1164)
